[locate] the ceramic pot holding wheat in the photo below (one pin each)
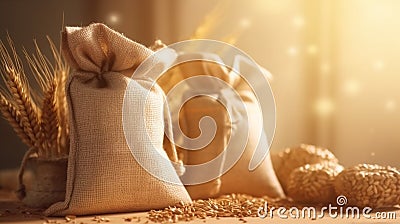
(48, 185)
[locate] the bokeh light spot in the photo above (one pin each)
(324, 106)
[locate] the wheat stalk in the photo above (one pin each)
(61, 103)
(13, 75)
(61, 71)
(49, 121)
(38, 117)
(49, 124)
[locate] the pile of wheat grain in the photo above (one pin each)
(234, 205)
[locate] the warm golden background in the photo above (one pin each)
(334, 62)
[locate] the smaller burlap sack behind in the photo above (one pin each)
(103, 176)
(194, 110)
(189, 117)
(259, 182)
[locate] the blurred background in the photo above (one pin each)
(334, 62)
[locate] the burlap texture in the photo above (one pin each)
(103, 176)
(189, 117)
(47, 182)
(259, 182)
(195, 109)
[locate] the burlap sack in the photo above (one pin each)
(189, 117)
(259, 182)
(195, 109)
(103, 176)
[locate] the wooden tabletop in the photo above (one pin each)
(12, 211)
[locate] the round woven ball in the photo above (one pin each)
(314, 184)
(369, 185)
(291, 158)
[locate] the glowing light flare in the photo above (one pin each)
(298, 21)
(312, 49)
(113, 18)
(324, 106)
(390, 105)
(378, 65)
(232, 37)
(325, 68)
(292, 51)
(351, 87)
(245, 22)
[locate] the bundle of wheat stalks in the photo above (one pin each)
(37, 115)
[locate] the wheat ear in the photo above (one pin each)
(49, 121)
(45, 74)
(61, 70)
(13, 117)
(38, 117)
(12, 73)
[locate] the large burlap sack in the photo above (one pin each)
(103, 176)
(259, 182)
